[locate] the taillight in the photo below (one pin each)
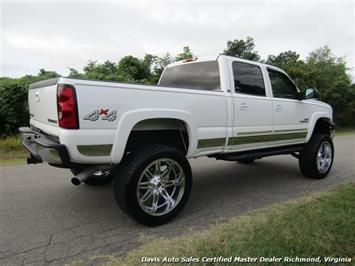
(67, 107)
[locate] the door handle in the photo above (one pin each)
(278, 107)
(243, 106)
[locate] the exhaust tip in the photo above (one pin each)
(75, 181)
(87, 173)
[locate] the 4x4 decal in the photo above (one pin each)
(104, 114)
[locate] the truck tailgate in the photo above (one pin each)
(42, 101)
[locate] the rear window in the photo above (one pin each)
(199, 76)
(248, 79)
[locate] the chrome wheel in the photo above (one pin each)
(160, 187)
(324, 157)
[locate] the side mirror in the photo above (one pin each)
(312, 93)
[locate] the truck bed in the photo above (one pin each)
(103, 106)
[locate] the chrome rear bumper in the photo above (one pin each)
(43, 148)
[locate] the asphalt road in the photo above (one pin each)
(44, 220)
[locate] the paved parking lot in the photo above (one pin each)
(45, 220)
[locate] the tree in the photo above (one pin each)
(242, 49)
(289, 61)
(75, 74)
(327, 73)
(13, 100)
(283, 58)
(106, 71)
(134, 69)
(90, 66)
(186, 54)
(158, 66)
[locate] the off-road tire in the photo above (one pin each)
(128, 172)
(308, 156)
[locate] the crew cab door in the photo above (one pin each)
(290, 114)
(253, 108)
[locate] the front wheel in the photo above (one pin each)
(316, 159)
(152, 184)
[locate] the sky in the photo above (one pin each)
(58, 35)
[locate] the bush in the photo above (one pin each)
(11, 143)
(13, 106)
(14, 103)
(11, 148)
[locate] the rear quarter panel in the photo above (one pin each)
(204, 113)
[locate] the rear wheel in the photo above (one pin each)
(99, 178)
(316, 159)
(152, 184)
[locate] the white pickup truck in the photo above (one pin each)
(141, 136)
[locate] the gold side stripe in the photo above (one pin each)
(249, 139)
(299, 134)
(296, 135)
(205, 143)
(266, 138)
(95, 150)
(291, 130)
(249, 133)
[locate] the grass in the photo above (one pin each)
(321, 224)
(12, 151)
(345, 131)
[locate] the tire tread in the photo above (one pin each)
(126, 170)
(307, 159)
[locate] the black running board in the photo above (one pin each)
(257, 154)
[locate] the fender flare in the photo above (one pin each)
(130, 119)
(314, 119)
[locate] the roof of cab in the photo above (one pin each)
(214, 58)
(194, 60)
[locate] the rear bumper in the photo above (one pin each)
(43, 148)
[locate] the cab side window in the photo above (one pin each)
(248, 79)
(282, 86)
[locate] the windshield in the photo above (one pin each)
(199, 76)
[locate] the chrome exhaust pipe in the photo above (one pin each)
(85, 174)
